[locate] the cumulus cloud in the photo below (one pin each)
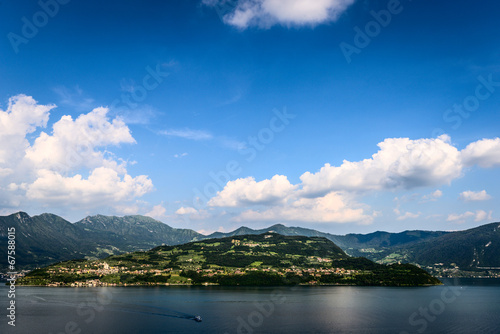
(186, 211)
(484, 153)
(331, 208)
(433, 196)
(400, 163)
(70, 166)
(247, 191)
(75, 143)
(265, 13)
(479, 215)
(22, 116)
(483, 215)
(127, 210)
(158, 212)
(453, 217)
(192, 213)
(103, 185)
(474, 195)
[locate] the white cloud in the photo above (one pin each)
(400, 163)
(180, 155)
(73, 143)
(69, 167)
(482, 215)
(282, 202)
(188, 134)
(432, 196)
(265, 13)
(186, 211)
(407, 215)
(474, 195)
(479, 215)
(22, 116)
(158, 212)
(484, 153)
(247, 191)
(331, 208)
(459, 217)
(103, 185)
(192, 213)
(127, 210)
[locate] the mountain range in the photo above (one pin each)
(45, 239)
(254, 260)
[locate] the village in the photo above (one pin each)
(96, 273)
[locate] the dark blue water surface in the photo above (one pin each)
(460, 306)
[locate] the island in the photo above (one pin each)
(268, 259)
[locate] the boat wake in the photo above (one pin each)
(128, 307)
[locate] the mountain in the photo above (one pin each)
(266, 259)
(47, 238)
(349, 242)
(471, 249)
(43, 239)
(138, 231)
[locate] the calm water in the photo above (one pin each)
(467, 306)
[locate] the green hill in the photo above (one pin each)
(266, 259)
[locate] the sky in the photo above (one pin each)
(346, 116)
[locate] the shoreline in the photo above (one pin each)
(219, 285)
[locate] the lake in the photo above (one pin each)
(460, 306)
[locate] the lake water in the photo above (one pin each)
(465, 306)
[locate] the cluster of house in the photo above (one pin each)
(248, 244)
(16, 275)
(294, 270)
(104, 268)
(440, 270)
(96, 269)
(86, 283)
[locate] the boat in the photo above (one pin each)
(197, 319)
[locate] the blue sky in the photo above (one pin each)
(343, 116)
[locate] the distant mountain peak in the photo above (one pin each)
(21, 215)
(277, 225)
